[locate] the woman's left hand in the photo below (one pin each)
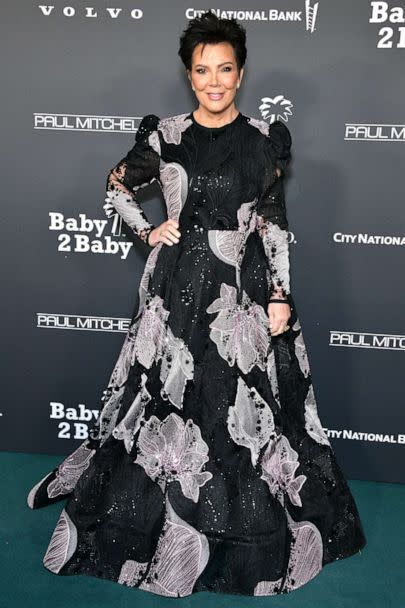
(279, 313)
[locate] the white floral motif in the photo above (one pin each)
(120, 204)
(306, 555)
(143, 318)
(62, 545)
(147, 274)
(279, 464)
(154, 142)
(181, 555)
(70, 471)
(177, 367)
(240, 331)
(66, 476)
(313, 424)
(226, 245)
(276, 247)
(272, 376)
(300, 350)
(125, 358)
(105, 423)
(229, 245)
(174, 180)
(173, 126)
(150, 337)
(129, 425)
(250, 420)
(132, 572)
(174, 450)
(262, 125)
(154, 340)
(247, 217)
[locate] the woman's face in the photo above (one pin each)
(214, 76)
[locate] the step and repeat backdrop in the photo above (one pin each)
(77, 79)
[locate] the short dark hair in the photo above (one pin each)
(210, 29)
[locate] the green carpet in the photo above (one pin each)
(374, 578)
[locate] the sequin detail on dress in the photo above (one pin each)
(208, 453)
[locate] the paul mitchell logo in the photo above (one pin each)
(86, 122)
(374, 132)
(60, 320)
(356, 339)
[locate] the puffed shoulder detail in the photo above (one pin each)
(148, 124)
(280, 141)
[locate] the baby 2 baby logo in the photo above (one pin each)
(84, 235)
(73, 423)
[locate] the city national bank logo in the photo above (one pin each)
(275, 108)
(392, 34)
(355, 339)
(380, 132)
(363, 238)
(88, 235)
(366, 436)
(268, 14)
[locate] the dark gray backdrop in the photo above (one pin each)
(74, 90)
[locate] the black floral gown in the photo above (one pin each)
(208, 468)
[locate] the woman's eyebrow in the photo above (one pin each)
(219, 64)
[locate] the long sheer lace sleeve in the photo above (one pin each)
(139, 168)
(272, 217)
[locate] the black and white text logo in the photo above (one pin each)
(89, 235)
(391, 20)
(73, 422)
(357, 339)
(374, 132)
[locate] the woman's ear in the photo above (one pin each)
(189, 77)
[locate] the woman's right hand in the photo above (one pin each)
(166, 233)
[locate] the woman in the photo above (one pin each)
(208, 468)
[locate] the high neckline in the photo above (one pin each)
(204, 127)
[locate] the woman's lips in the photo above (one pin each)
(215, 96)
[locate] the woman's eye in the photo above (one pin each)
(227, 68)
